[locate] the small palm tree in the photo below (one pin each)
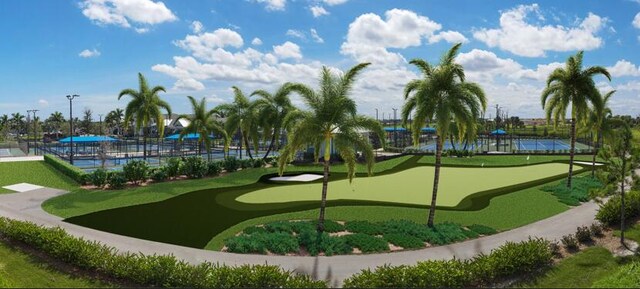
(202, 123)
(114, 120)
(241, 115)
(573, 88)
(443, 96)
(598, 123)
(271, 112)
(145, 107)
(332, 119)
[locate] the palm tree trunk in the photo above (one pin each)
(144, 144)
(595, 153)
(273, 139)
(436, 179)
(624, 165)
(572, 149)
(247, 147)
(323, 201)
(453, 146)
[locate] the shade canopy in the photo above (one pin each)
(391, 129)
(498, 132)
(191, 136)
(89, 139)
(429, 129)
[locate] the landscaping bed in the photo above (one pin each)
(353, 237)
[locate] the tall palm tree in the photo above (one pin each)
(114, 119)
(4, 123)
(332, 119)
(56, 119)
(202, 123)
(271, 111)
(571, 87)
(17, 122)
(442, 95)
(144, 108)
(241, 115)
(598, 123)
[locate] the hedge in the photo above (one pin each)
(148, 270)
(609, 212)
(67, 169)
(508, 260)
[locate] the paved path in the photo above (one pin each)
(27, 206)
(21, 159)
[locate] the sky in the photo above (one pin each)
(95, 48)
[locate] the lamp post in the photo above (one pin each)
(35, 130)
(100, 123)
(70, 98)
(376, 114)
(395, 131)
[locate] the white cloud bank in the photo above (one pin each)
(89, 53)
(124, 12)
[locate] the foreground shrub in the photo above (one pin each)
(609, 212)
(367, 243)
(148, 270)
(364, 227)
(628, 276)
(173, 167)
(260, 242)
(596, 230)
(116, 180)
(214, 168)
(570, 242)
(583, 234)
(246, 163)
(315, 243)
(404, 241)
(66, 168)
(159, 174)
(258, 163)
(231, 164)
(579, 191)
(194, 167)
(99, 177)
(508, 260)
(136, 171)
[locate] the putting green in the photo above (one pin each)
(412, 186)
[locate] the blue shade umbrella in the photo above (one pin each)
(191, 136)
(88, 139)
(390, 129)
(429, 129)
(498, 132)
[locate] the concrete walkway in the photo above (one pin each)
(21, 159)
(27, 206)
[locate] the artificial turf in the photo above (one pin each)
(20, 270)
(36, 172)
(503, 160)
(411, 186)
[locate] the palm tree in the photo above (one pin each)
(145, 107)
(202, 123)
(114, 119)
(571, 87)
(56, 119)
(332, 119)
(271, 111)
(241, 115)
(4, 124)
(598, 122)
(17, 122)
(443, 96)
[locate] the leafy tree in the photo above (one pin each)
(202, 123)
(271, 111)
(573, 88)
(87, 118)
(332, 119)
(17, 123)
(443, 95)
(145, 107)
(599, 123)
(241, 114)
(55, 121)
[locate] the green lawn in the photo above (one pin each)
(579, 271)
(632, 233)
(18, 269)
(503, 213)
(501, 160)
(455, 185)
(37, 173)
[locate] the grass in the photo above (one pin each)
(455, 185)
(37, 173)
(632, 233)
(19, 269)
(501, 160)
(503, 213)
(579, 271)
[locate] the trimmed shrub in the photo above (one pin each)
(253, 229)
(148, 270)
(214, 168)
(404, 241)
(246, 244)
(364, 227)
(98, 177)
(159, 174)
(258, 163)
(279, 226)
(554, 247)
(482, 229)
(173, 167)
(231, 164)
(583, 234)
(65, 168)
(609, 212)
(246, 163)
(596, 230)
(570, 242)
(136, 171)
(316, 243)
(470, 234)
(367, 243)
(194, 167)
(116, 180)
(579, 191)
(330, 226)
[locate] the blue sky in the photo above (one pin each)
(201, 48)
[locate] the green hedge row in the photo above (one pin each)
(508, 260)
(69, 170)
(609, 212)
(146, 270)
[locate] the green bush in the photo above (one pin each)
(116, 180)
(246, 163)
(330, 226)
(316, 243)
(609, 212)
(583, 234)
(148, 270)
(246, 244)
(99, 177)
(159, 174)
(231, 164)
(364, 227)
(173, 167)
(194, 167)
(482, 229)
(628, 276)
(4, 283)
(596, 230)
(570, 242)
(214, 168)
(260, 242)
(258, 163)
(367, 243)
(65, 168)
(136, 171)
(579, 191)
(506, 261)
(279, 226)
(404, 241)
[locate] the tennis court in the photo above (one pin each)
(542, 144)
(5, 153)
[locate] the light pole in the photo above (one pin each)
(35, 130)
(376, 114)
(70, 98)
(100, 123)
(395, 131)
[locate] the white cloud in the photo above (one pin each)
(288, 50)
(334, 2)
(274, 5)
(624, 68)
(196, 27)
(188, 84)
(318, 11)
(524, 39)
(122, 12)
(256, 41)
(43, 103)
(141, 30)
(295, 34)
(315, 36)
(449, 36)
(636, 21)
(207, 45)
(89, 53)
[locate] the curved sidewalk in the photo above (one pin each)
(27, 206)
